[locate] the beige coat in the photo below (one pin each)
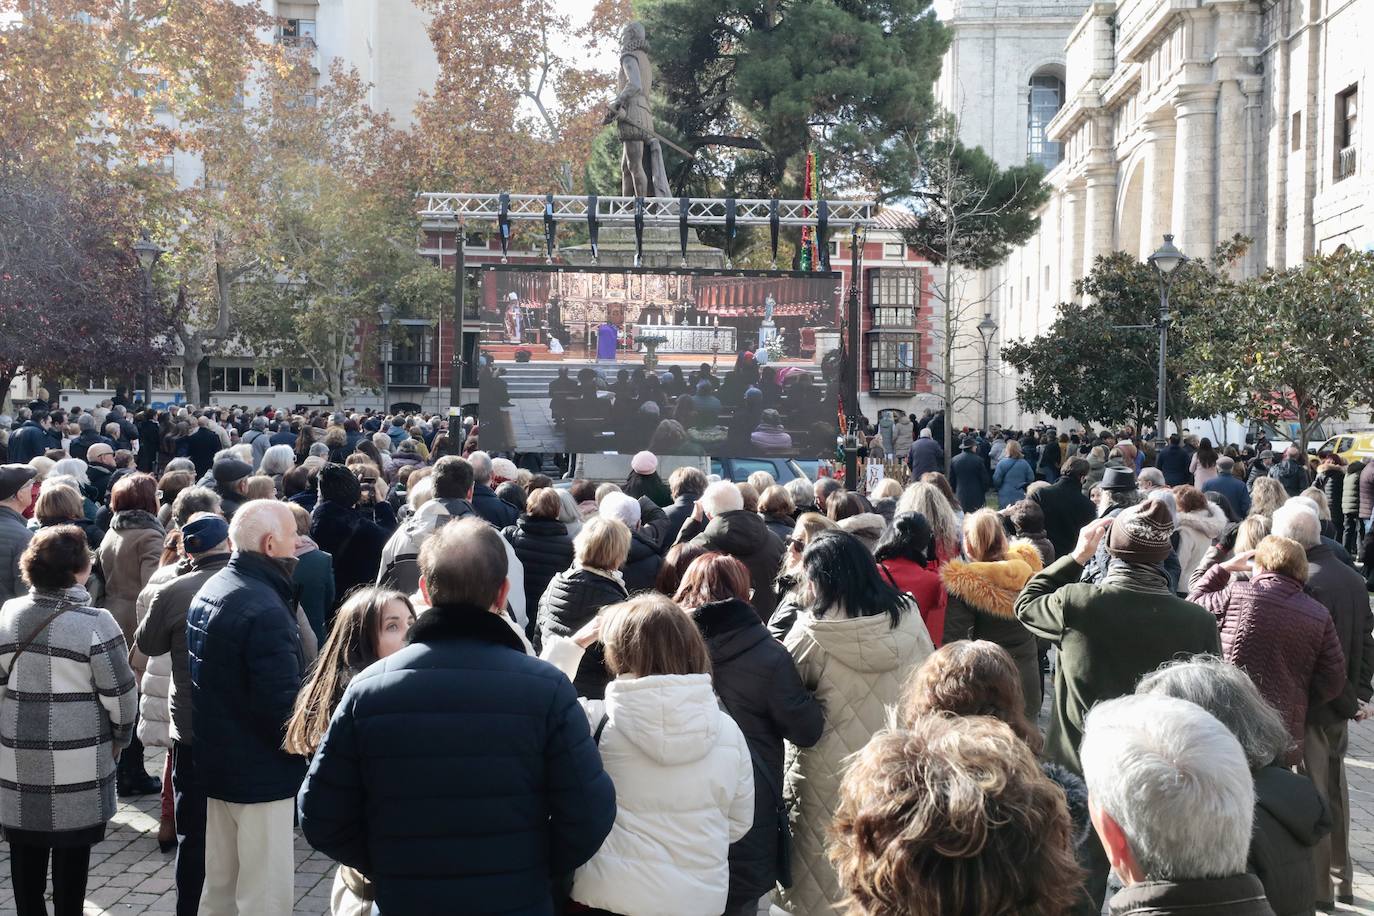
(856, 667)
(129, 556)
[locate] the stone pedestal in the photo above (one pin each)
(826, 340)
(767, 331)
(661, 250)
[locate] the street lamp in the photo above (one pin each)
(987, 330)
(147, 252)
(386, 313)
(1164, 261)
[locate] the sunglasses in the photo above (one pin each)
(793, 544)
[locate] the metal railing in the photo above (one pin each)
(1345, 164)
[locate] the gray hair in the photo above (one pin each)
(1297, 521)
(1177, 783)
(192, 500)
(180, 464)
(70, 467)
(278, 459)
(721, 497)
(383, 443)
(258, 518)
(1107, 500)
(803, 494)
(319, 450)
(1227, 693)
(1153, 476)
(481, 467)
(930, 501)
(421, 493)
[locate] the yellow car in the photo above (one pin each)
(1350, 446)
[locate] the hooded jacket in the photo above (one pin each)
(544, 549)
(684, 791)
(743, 535)
(855, 666)
(459, 774)
(758, 683)
(1290, 819)
(129, 554)
(981, 596)
(1196, 532)
(868, 527)
(572, 599)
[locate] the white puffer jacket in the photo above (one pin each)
(684, 791)
(856, 666)
(154, 708)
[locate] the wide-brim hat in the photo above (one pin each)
(1118, 479)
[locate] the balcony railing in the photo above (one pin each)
(409, 375)
(1345, 164)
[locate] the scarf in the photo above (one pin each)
(1137, 577)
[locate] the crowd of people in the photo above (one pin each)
(481, 690)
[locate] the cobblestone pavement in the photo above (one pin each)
(130, 877)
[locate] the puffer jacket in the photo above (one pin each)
(572, 599)
(1330, 480)
(354, 541)
(544, 549)
(641, 566)
(758, 683)
(1010, 479)
(1285, 639)
(868, 527)
(460, 728)
(245, 658)
(981, 596)
(1290, 819)
(155, 687)
(129, 555)
(1367, 491)
(1196, 532)
(1350, 488)
(856, 667)
(903, 432)
(684, 791)
(743, 535)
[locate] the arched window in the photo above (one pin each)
(1046, 98)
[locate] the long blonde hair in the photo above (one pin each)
(927, 499)
(1266, 495)
(985, 540)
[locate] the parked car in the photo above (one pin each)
(1350, 445)
(739, 469)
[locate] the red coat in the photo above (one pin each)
(1282, 637)
(925, 585)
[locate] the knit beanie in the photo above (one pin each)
(338, 485)
(1141, 533)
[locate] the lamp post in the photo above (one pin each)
(987, 330)
(1164, 261)
(386, 313)
(147, 252)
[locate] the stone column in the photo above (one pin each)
(1156, 218)
(1099, 213)
(1070, 240)
(1195, 162)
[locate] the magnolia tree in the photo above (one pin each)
(1292, 345)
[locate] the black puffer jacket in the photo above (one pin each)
(781, 525)
(678, 514)
(353, 540)
(1290, 819)
(544, 550)
(1350, 489)
(641, 566)
(743, 535)
(758, 682)
(571, 600)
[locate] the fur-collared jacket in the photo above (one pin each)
(981, 599)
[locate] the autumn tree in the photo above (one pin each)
(1291, 345)
(71, 290)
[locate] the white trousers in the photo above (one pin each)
(250, 859)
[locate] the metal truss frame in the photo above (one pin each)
(656, 212)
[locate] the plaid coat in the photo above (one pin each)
(57, 766)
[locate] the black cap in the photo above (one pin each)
(13, 477)
(968, 442)
(228, 470)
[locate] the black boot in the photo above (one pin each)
(131, 779)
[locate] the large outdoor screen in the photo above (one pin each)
(716, 363)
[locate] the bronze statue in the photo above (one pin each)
(634, 119)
